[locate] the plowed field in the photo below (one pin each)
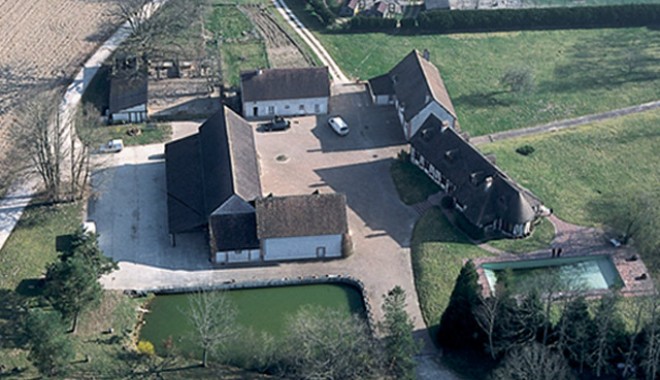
(43, 44)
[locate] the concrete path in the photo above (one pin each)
(338, 76)
(565, 124)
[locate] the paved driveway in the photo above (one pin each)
(130, 207)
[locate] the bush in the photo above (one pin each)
(144, 347)
(525, 150)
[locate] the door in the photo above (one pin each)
(320, 251)
(255, 111)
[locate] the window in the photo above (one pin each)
(271, 110)
(301, 108)
(317, 108)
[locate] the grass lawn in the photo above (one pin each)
(541, 238)
(412, 184)
(572, 169)
(438, 252)
(150, 133)
(577, 72)
(240, 45)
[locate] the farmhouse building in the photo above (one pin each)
(302, 227)
(417, 91)
(484, 196)
(285, 92)
(488, 199)
(128, 99)
(213, 185)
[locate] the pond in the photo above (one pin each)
(575, 273)
(261, 309)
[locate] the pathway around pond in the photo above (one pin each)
(565, 124)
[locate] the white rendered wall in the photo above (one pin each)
(303, 247)
(289, 107)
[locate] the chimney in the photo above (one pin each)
(488, 183)
(445, 125)
(427, 55)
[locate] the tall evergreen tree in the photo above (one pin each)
(400, 345)
(458, 326)
(575, 332)
(51, 351)
(71, 287)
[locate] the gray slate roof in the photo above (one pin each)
(281, 84)
(233, 226)
(381, 85)
(301, 215)
(486, 191)
(204, 170)
(416, 82)
(185, 201)
(127, 92)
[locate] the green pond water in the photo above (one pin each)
(583, 273)
(261, 309)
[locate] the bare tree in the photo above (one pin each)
(148, 33)
(609, 328)
(487, 316)
(213, 318)
(327, 344)
(533, 361)
(38, 139)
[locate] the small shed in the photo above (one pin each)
(128, 98)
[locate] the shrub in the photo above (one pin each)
(144, 347)
(525, 150)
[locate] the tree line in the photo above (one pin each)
(443, 21)
(548, 332)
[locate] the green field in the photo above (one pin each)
(577, 72)
(569, 170)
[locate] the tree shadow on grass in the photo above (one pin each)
(13, 308)
(485, 99)
(608, 60)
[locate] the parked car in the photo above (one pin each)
(277, 124)
(338, 125)
(112, 146)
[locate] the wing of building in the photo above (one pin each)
(483, 195)
(285, 92)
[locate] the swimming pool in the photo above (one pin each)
(584, 272)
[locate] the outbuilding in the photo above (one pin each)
(285, 92)
(128, 99)
(302, 226)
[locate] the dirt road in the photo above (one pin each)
(281, 48)
(43, 43)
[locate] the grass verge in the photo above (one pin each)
(541, 238)
(412, 184)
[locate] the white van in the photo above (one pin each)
(338, 125)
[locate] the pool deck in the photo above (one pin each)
(582, 241)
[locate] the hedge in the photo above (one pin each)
(541, 18)
(326, 17)
(372, 23)
(520, 19)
